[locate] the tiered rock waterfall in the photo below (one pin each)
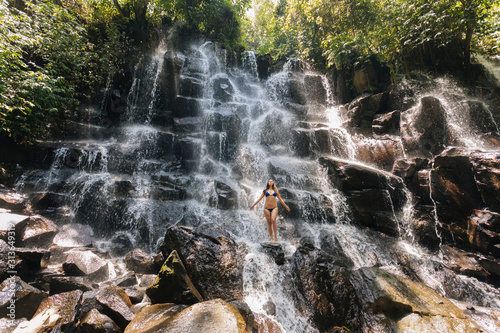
(395, 202)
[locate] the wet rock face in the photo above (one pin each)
(376, 197)
(401, 301)
(486, 168)
(424, 131)
(362, 110)
(483, 231)
(454, 189)
(326, 287)
(213, 261)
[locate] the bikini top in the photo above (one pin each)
(267, 194)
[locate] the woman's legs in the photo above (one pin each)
(274, 215)
(267, 213)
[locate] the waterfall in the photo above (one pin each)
(198, 150)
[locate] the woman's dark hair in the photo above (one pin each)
(267, 187)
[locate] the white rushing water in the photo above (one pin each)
(248, 134)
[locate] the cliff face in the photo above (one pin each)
(394, 197)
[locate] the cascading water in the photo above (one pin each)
(228, 134)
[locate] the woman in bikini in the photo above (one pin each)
(271, 208)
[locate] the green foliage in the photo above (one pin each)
(346, 32)
(218, 20)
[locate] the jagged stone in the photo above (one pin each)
(86, 263)
(140, 261)
(375, 196)
(35, 231)
(191, 87)
(386, 124)
(454, 189)
(187, 107)
(47, 321)
(96, 322)
(265, 323)
(127, 280)
(27, 298)
(64, 304)
(48, 201)
(12, 201)
(381, 153)
(116, 305)
(325, 286)
(173, 285)
(227, 197)
(61, 284)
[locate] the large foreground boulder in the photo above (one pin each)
(393, 303)
(213, 261)
(209, 317)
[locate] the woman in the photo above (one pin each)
(271, 208)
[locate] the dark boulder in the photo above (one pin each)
(212, 259)
(363, 109)
(48, 201)
(173, 285)
(187, 107)
(386, 124)
(275, 251)
(486, 169)
(116, 305)
(326, 288)
(454, 189)
(481, 118)
(381, 153)
(61, 284)
(223, 89)
(483, 231)
(424, 128)
(227, 197)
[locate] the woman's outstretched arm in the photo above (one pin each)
(261, 196)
